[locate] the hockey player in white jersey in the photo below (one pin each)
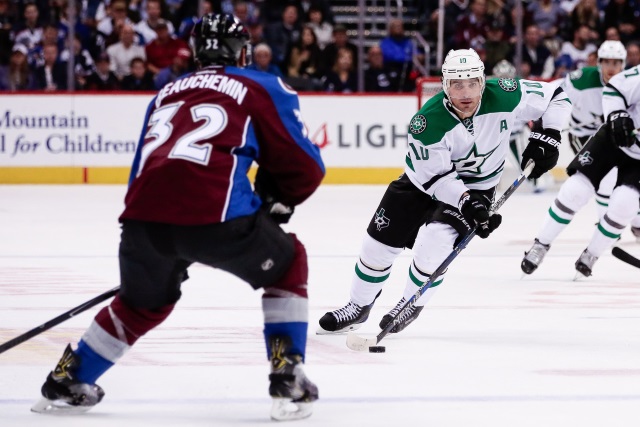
(614, 145)
(458, 143)
(585, 89)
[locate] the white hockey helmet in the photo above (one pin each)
(462, 64)
(613, 49)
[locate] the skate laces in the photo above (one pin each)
(395, 310)
(348, 312)
(537, 252)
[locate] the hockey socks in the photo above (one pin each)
(623, 207)
(92, 365)
(416, 280)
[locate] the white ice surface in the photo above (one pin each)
(491, 349)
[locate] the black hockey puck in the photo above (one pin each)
(377, 349)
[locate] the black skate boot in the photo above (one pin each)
(292, 392)
(406, 319)
(62, 392)
(345, 319)
(584, 264)
(534, 257)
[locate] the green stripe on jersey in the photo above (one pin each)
(371, 279)
(586, 78)
(473, 180)
(439, 120)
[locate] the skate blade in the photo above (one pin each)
(578, 276)
(321, 331)
(57, 407)
(284, 409)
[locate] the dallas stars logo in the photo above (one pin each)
(508, 85)
(418, 124)
(473, 161)
(585, 158)
(380, 220)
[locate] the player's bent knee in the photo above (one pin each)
(433, 244)
(376, 255)
(623, 204)
(295, 278)
(128, 323)
(576, 192)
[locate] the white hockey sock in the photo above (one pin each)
(416, 280)
(635, 222)
(604, 191)
(372, 270)
(573, 195)
(623, 206)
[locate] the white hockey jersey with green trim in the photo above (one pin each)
(623, 93)
(447, 156)
(584, 88)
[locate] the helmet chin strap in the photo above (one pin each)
(462, 112)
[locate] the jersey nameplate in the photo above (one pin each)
(508, 85)
(418, 124)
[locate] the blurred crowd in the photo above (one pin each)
(143, 44)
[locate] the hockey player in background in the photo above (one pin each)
(613, 146)
(190, 200)
(458, 143)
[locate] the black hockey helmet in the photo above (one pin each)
(220, 39)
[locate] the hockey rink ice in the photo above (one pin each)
(491, 348)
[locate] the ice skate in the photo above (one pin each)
(584, 264)
(636, 233)
(345, 319)
(63, 393)
(533, 258)
(406, 319)
(292, 392)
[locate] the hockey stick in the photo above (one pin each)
(625, 256)
(358, 343)
(57, 320)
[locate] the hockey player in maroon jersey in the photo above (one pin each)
(190, 200)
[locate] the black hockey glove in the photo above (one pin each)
(265, 187)
(476, 213)
(621, 128)
(543, 150)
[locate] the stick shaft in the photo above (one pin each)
(57, 320)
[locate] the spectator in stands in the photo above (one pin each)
(161, 51)
(148, 27)
(621, 14)
(342, 78)
(103, 79)
(121, 53)
(116, 16)
(7, 27)
(612, 33)
(428, 19)
(256, 32)
(139, 79)
(548, 16)
(397, 49)
(305, 6)
(179, 66)
(283, 34)
(587, 13)
(534, 53)
(497, 47)
(30, 32)
(580, 47)
(83, 62)
(340, 41)
(322, 28)
(49, 36)
(52, 74)
(305, 57)
(377, 78)
(187, 24)
(592, 60)
(244, 11)
(472, 24)
(563, 65)
(262, 60)
(633, 54)
(16, 76)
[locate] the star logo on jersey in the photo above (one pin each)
(380, 220)
(585, 158)
(508, 85)
(418, 124)
(473, 160)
